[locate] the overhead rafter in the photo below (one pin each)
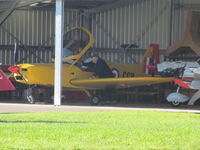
(23, 3)
(7, 12)
(114, 4)
(14, 5)
(87, 3)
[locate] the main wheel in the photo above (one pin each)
(30, 99)
(175, 104)
(94, 100)
(29, 96)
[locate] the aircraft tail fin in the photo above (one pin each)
(151, 59)
(5, 83)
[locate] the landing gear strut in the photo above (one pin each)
(94, 98)
(34, 93)
(29, 96)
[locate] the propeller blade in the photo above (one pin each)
(15, 69)
(16, 54)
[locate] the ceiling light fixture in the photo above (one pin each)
(34, 4)
(47, 1)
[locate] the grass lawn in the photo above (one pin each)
(137, 130)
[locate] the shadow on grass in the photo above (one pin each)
(42, 121)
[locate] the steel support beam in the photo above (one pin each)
(8, 12)
(15, 5)
(170, 20)
(58, 52)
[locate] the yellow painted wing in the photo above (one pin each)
(118, 82)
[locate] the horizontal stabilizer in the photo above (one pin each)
(5, 83)
(181, 83)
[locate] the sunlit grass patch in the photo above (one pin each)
(100, 130)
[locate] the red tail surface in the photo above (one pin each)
(151, 59)
(156, 53)
(5, 83)
(181, 83)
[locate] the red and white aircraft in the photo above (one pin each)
(191, 80)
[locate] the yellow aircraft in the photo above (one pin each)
(75, 78)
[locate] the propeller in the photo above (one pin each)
(16, 54)
(16, 69)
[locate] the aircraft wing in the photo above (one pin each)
(118, 82)
(5, 83)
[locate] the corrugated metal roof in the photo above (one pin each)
(73, 4)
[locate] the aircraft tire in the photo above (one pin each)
(115, 72)
(175, 104)
(30, 99)
(94, 100)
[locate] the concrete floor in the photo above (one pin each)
(75, 107)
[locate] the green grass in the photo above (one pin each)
(137, 130)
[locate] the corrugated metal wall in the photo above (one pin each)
(141, 23)
(35, 27)
(34, 30)
(124, 56)
(30, 54)
(30, 27)
(144, 22)
(35, 54)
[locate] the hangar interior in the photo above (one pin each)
(123, 29)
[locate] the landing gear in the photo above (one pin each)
(175, 99)
(175, 104)
(29, 96)
(94, 100)
(93, 96)
(37, 94)
(30, 99)
(102, 96)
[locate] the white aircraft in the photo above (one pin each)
(190, 79)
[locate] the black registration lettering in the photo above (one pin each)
(128, 74)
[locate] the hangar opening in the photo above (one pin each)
(122, 29)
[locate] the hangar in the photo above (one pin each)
(114, 23)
